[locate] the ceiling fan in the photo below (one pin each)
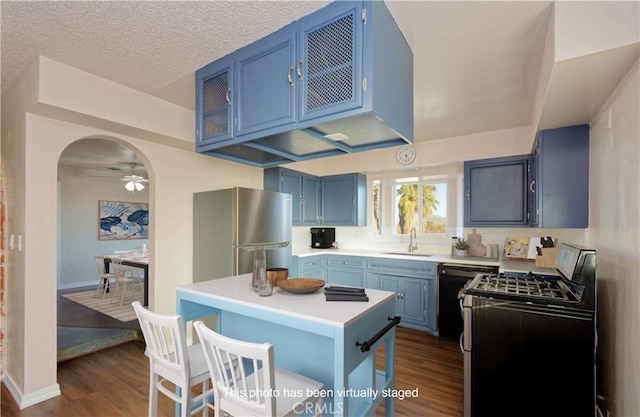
(134, 182)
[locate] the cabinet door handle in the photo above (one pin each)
(289, 77)
(300, 70)
(531, 187)
(226, 95)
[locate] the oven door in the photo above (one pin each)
(527, 360)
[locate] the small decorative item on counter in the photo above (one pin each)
(454, 240)
(489, 253)
(461, 247)
(547, 253)
(259, 279)
(264, 287)
(476, 248)
(275, 275)
(516, 248)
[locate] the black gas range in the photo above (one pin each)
(525, 333)
(527, 287)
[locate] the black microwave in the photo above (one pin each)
(322, 237)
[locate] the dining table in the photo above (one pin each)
(135, 261)
(333, 342)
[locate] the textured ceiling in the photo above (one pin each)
(475, 63)
(145, 45)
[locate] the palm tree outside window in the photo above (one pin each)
(421, 205)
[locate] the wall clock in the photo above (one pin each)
(406, 154)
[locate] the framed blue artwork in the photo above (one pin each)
(120, 220)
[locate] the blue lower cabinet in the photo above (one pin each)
(415, 299)
(309, 267)
(414, 285)
(342, 270)
(413, 282)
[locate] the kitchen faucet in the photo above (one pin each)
(413, 240)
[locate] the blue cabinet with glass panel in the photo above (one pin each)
(214, 118)
(308, 90)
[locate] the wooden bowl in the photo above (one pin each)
(275, 275)
(301, 285)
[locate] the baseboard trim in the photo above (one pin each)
(33, 398)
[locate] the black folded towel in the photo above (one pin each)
(346, 297)
(343, 290)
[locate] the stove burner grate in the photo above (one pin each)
(527, 285)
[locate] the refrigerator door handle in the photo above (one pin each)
(267, 245)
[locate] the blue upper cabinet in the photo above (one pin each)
(304, 190)
(330, 63)
(344, 200)
(337, 81)
(265, 80)
(561, 187)
(496, 192)
(334, 200)
(214, 119)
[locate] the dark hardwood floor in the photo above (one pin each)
(427, 365)
(113, 382)
(82, 330)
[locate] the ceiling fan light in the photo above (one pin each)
(139, 186)
(129, 186)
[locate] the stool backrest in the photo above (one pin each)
(243, 374)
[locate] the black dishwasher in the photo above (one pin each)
(451, 279)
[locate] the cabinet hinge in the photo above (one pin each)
(364, 84)
(469, 194)
(364, 15)
(424, 314)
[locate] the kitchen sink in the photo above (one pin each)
(407, 253)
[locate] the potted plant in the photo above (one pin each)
(461, 247)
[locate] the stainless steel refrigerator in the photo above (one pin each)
(229, 224)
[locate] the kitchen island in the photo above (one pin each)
(316, 338)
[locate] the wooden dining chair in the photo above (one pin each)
(240, 370)
(172, 361)
(104, 277)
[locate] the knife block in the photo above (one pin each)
(548, 258)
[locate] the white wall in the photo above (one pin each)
(614, 218)
(78, 198)
(31, 148)
(506, 142)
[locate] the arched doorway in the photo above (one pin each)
(90, 173)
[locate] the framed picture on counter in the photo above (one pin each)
(118, 220)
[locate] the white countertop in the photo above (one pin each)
(236, 290)
(505, 265)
